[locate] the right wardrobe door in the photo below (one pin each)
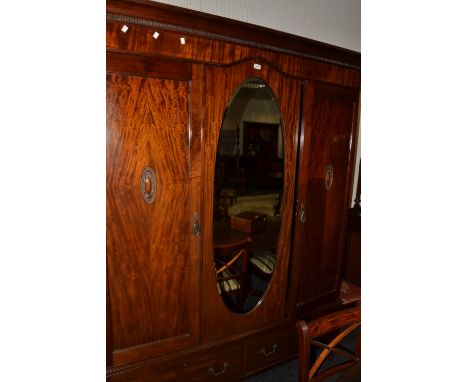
(327, 153)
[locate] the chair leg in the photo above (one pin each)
(304, 351)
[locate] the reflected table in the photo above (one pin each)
(263, 240)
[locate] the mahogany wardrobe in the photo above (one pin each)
(220, 133)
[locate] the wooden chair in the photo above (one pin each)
(345, 321)
(232, 270)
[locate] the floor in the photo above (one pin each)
(283, 373)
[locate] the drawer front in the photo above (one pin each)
(268, 349)
(220, 364)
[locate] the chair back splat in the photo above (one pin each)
(232, 270)
(340, 324)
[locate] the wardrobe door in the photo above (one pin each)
(224, 87)
(326, 159)
(152, 148)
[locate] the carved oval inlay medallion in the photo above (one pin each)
(148, 185)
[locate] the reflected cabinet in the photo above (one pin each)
(230, 157)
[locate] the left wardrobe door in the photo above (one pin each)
(152, 252)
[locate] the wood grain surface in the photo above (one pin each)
(221, 85)
(165, 107)
(139, 39)
(161, 16)
(328, 128)
(148, 245)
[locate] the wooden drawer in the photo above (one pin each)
(219, 364)
(271, 348)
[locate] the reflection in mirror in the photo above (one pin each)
(247, 196)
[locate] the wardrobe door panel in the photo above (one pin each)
(150, 265)
(220, 321)
(323, 195)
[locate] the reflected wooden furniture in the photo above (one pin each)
(262, 266)
(266, 238)
(227, 197)
(232, 270)
(260, 150)
(277, 207)
(262, 242)
(238, 180)
(310, 333)
(229, 194)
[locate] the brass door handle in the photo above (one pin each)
(216, 373)
(269, 353)
(302, 213)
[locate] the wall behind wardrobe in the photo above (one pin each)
(336, 22)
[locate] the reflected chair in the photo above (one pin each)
(227, 198)
(277, 206)
(342, 322)
(262, 265)
(232, 270)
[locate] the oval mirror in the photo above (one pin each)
(248, 190)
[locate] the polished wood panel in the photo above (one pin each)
(139, 38)
(148, 66)
(328, 128)
(109, 346)
(148, 245)
(225, 30)
(221, 84)
(337, 326)
(165, 107)
(270, 348)
(216, 364)
(274, 332)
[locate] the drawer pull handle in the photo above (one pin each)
(269, 353)
(216, 373)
